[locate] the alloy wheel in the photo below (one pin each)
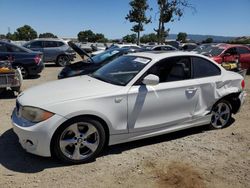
(221, 115)
(79, 141)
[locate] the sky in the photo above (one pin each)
(65, 18)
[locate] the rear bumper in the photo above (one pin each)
(242, 97)
(35, 69)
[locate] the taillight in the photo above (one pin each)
(38, 58)
(243, 84)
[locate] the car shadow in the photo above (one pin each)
(32, 77)
(8, 94)
(51, 65)
(14, 158)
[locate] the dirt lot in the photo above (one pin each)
(191, 158)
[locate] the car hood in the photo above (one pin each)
(81, 87)
(78, 50)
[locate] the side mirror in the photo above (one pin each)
(151, 79)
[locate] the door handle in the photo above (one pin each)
(191, 90)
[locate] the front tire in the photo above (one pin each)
(79, 140)
(221, 115)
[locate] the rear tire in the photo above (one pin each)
(221, 115)
(62, 60)
(79, 140)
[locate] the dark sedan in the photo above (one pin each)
(92, 63)
(29, 62)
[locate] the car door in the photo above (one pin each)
(51, 50)
(172, 101)
(230, 55)
(244, 53)
(208, 77)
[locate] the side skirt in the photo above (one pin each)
(128, 137)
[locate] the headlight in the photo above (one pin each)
(34, 114)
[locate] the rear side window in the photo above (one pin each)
(14, 49)
(204, 68)
(50, 44)
(243, 50)
(60, 44)
(35, 44)
(3, 48)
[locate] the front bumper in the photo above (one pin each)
(36, 138)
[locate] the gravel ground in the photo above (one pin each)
(190, 158)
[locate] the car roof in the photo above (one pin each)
(163, 54)
(49, 39)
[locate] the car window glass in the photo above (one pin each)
(172, 69)
(14, 49)
(3, 48)
(50, 44)
(243, 50)
(231, 51)
(36, 44)
(204, 68)
(157, 48)
(60, 44)
(99, 58)
(121, 70)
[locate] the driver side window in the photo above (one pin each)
(231, 51)
(172, 69)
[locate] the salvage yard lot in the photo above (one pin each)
(191, 158)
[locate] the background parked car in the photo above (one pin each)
(54, 50)
(92, 63)
(116, 46)
(229, 53)
(29, 62)
(160, 48)
(188, 46)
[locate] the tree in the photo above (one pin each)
(208, 40)
(152, 37)
(182, 37)
(25, 33)
(90, 36)
(86, 36)
(129, 38)
(47, 35)
(11, 36)
(137, 15)
(99, 37)
(2, 36)
(169, 11)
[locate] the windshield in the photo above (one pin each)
(121, 70)
(99, 58)
(211, 51)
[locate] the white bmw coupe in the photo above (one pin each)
(133, 97)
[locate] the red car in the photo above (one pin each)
(229, 53)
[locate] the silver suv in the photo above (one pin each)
(54, 50)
